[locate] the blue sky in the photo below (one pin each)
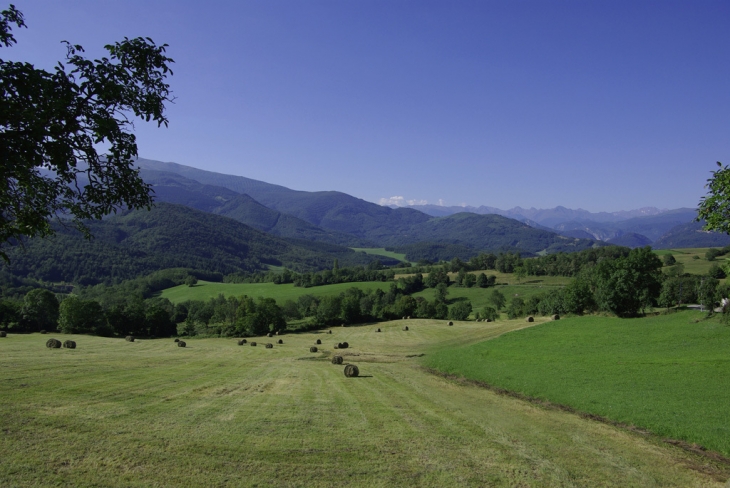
(602, 105)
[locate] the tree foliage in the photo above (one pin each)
(53, 122)
(714, 207)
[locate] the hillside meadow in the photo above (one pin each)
(148, 413)
(668, 374)
(693, 259)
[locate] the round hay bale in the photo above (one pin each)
(329, 331)
(313, 349)
(409, 317)
(43, 332)
(3, 333)
(177, 340)
(555, 317)
(129, 338)
(337, 346)
(343, 345)
(240, 342)
(343, 325)
(69, 344)
(377, 330)
(243, 341)
(530, 318)
(404, 318)
(487, 320)
(269, 335)
(351, 371)
(269, 346)
(337, 360)
(280, 341)
(253, 344)
(405, 328)
(451, 323)
(181, 344)
(53, 344)
(277, 332)
(318, 342)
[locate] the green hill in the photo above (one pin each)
(169, 236)
(173, 188)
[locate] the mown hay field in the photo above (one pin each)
(149, 413)
(693, 259)
(669, 374)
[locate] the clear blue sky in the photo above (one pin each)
(603, 105)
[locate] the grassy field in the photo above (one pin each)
(688, 257)
(509, 278)
(206, 290)
(147, 413)
(669, 374)
(380, 251)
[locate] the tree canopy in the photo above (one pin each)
(714, 207)
(51, 124)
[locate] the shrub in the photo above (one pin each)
(269, 346)
(460, 310)
(337, 360)
(181, 344)
(69, 344)
(313, 349)
(53, 343)
(351, 371)
(129, 338)
(716, 272)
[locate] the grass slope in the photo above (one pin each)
(147, 413)
(691, 264)
(380, 251)
(667, 374)
(205, 290)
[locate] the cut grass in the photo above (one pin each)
(688, 257)
(147, 413)
(666, 374)
(205, 290)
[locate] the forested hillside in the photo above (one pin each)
(170, 236)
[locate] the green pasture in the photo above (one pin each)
(148, 413)
(380, 251)
(668, 374)
(205, 290)
(509, 278)
(688, 257)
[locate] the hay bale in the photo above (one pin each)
(3, 333)
(277, 332)
(318, 342)
(269, 335)
(269, 346)
(351, 371)
(451, 323)
(243, 341)
(409, 317)
(329, 331)
(313, 349)
(377, 330)
(129, 338)
(337, 346)
(53, 344)
(337, 360)
(253, 344)
(240, 342)
(43, 332)
(177, 340)
(69, 344)
(404, 318)
(555, 317)
(280, 341)
(405, 328)
(530, 318)
(343, 345)
(181, 344)
(343, 325)
(487, 320)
